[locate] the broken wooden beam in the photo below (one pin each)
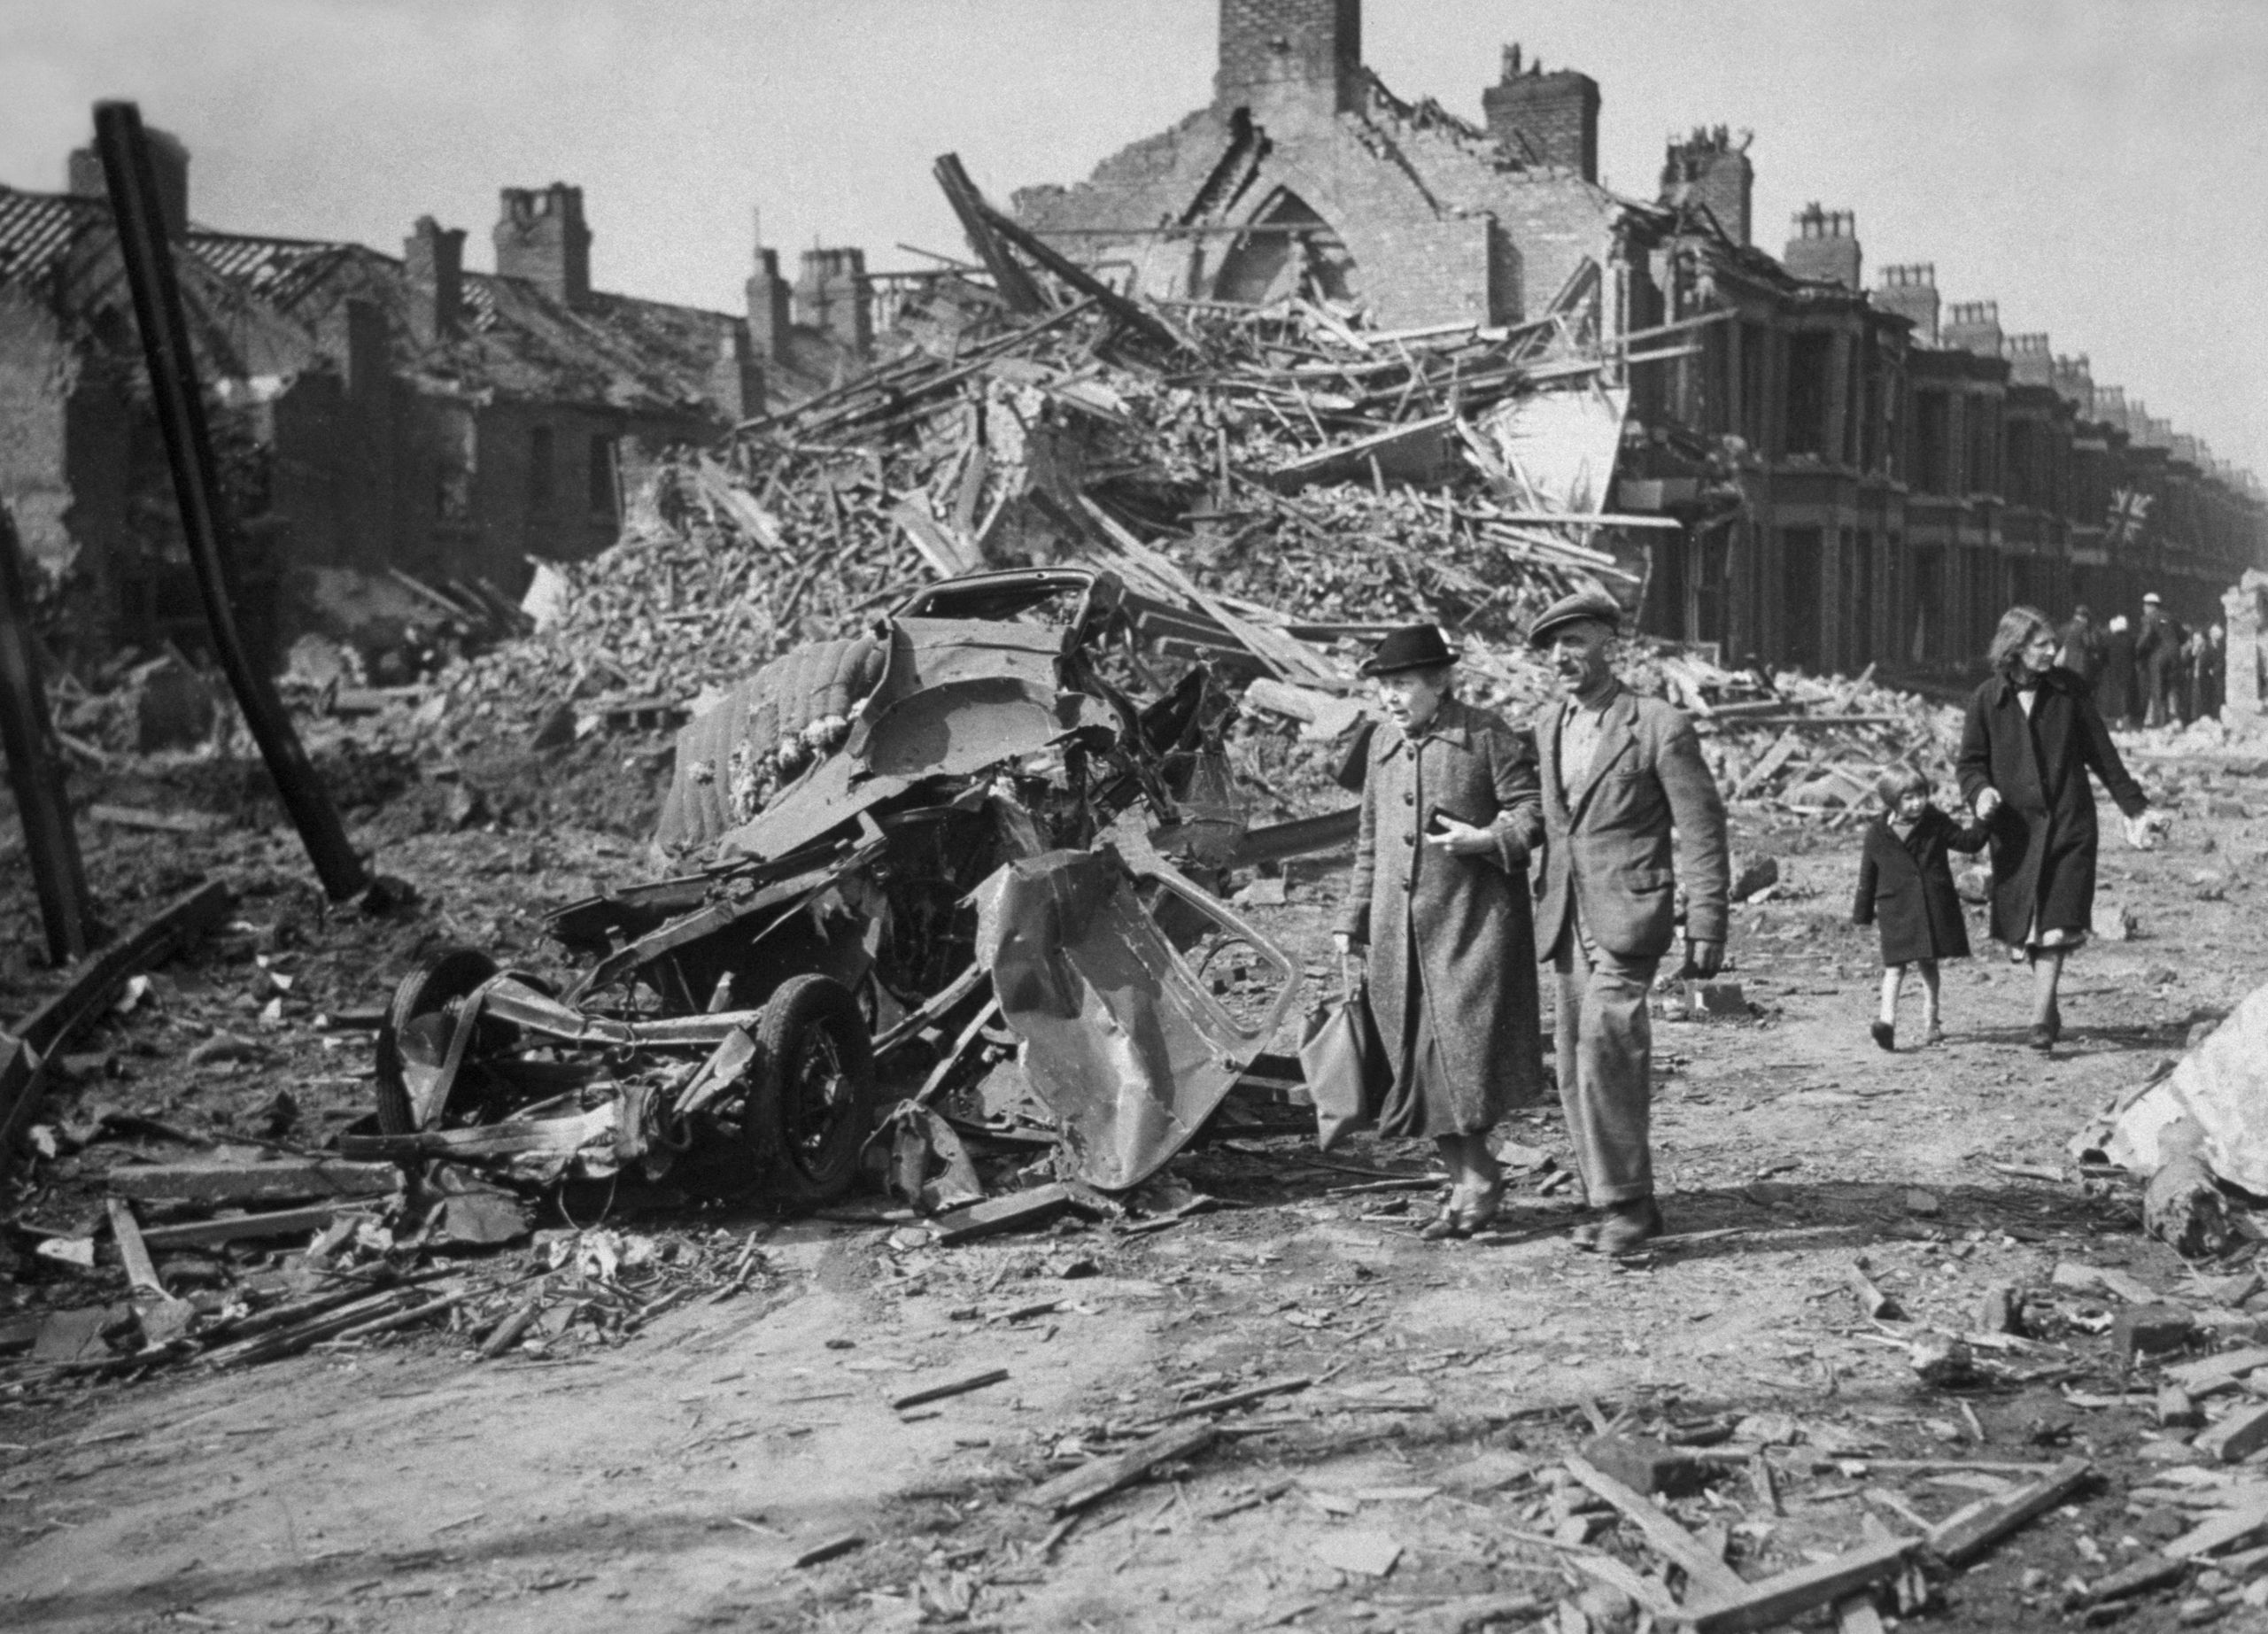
(1967, 1533)
(1100, 1477)
(820, 1552)
(958, 1386)
(2246, 1524)
(2236, 1437)
(996, 1215)
(1788, 1596)
(290, 1181)
(2152, 1571)
(1235, 1399)
(24, 1057)
(240, 1228)
(133, 1252)
(1709, 1576)
(1875, 1305)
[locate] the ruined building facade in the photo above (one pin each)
(1860, 476)
(375, 412)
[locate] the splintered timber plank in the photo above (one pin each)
(23, 1076)
(1708, 1574)
(1961, 1537)
(1780, 1599)
(241, 1227)
(256, 1182)
(1102, 1476)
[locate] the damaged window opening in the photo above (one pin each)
(1810, 391)
(605, 478)
(540, 468)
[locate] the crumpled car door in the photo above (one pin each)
(1120, 1037)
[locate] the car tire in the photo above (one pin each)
(810, 1100)
(439, 979)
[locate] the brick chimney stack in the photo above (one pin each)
(1289, 56)
(831, 296)
(2110, 407)
(1708, 169)
(736, 382)
(167, 157)
(1825, 248)
(541, 238)
(2075, 383)
(433, 265)
(1911, 291)
(2030, 361)
(1545, 119)
(770, 319)
(1974, 326)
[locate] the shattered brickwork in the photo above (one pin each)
(1549, 118)
(1276, 50)
(1708, 170)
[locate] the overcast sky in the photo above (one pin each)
(2098, 166)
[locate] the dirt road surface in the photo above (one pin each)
(672, 1481)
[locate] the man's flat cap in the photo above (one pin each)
(1595, 604)
(1413, 646)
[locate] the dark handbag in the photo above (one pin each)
(1344, 1063)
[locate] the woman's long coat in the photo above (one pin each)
(1905, 886)
(1467, 917)
(2043, 835)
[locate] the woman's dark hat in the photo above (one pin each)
(1593, 604)
(1416, 646)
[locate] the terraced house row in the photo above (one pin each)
(1863, 474)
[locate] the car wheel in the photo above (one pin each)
(417, 1025)
(810, 1093)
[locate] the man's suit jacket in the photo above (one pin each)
(1607, 841)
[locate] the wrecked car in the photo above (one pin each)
(950, 862)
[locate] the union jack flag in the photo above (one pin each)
(2128, 512)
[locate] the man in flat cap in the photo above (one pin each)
(1622, 778)
(1439, 894)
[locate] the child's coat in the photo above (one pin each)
(1907, 887)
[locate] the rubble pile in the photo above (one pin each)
(1295, 466)
(381, 1257)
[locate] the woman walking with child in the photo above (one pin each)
(2031, 740)
(1906, 888)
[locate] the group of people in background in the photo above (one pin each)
(2149, 674)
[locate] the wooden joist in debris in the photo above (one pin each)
(1967, 1533)
(1102, 1476)
(1707, 1573)
(25, 1056)
(1782, 1599)
(286, 1181)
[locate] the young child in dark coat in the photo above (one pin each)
(1906, 888)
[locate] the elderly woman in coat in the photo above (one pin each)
(1452, 807)
(2031, 740)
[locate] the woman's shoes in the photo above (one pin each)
(1465, 1213)
(1885, 1033)
(1486, 1204)
(1935, 1035)
(2042, 1038)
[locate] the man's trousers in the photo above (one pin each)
(1604, 1042)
